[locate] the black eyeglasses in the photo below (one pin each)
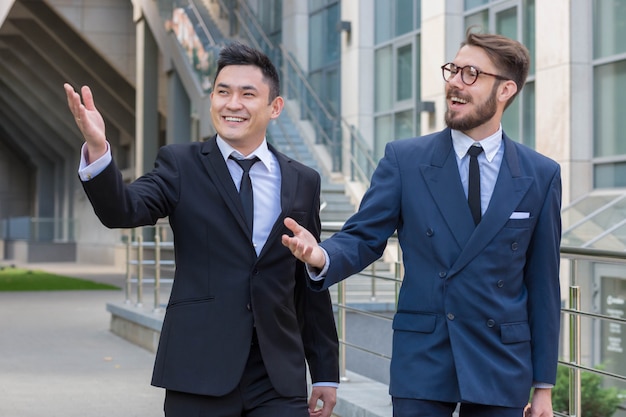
(469, 73)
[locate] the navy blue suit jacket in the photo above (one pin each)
(221, 288)
(478, 310)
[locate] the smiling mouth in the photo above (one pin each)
(458, 100)
(234, 119)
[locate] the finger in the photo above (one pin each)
(73, 99)
(87, 98)
(292, 225)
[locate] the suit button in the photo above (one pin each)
(429, 232)
(249, 307)
(443, 274)
(255, 271)
(514, 245)
(491, 323)
(450, 316)
(500, 284)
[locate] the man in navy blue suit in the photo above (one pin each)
(477, 322)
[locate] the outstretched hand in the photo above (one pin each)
(88, 119)
(303, 245)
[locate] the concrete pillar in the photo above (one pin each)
(147, 122)
(553, 79)
(178, 111)
(442, 32)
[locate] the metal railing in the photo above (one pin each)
(572, 349)
(38, 229)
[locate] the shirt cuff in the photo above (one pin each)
(314, 273)
(326, 384)
(542, 385)
(87, 171)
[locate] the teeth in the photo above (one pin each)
(458, 100)
(233, 119)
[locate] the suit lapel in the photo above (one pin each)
(510, 188)
(288, 192)
(216, 166)
(444, 183)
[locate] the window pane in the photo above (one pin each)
(609, 175)
(382, 21)
(418, 15)
(333, 37)
(506, 23)
(382, 127)
(316, 42)
(404, 16)
(528, 103)
(480, 19)
(404, 69)
(609, 104)
(333, 90)
(418, 68)
(470, 4)
(404, 125)
(383, 88)
(609, 27)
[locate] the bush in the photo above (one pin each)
(596, 401)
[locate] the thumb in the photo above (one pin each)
(292, 225)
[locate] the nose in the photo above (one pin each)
(234, 102)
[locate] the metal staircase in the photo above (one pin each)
(283, 132)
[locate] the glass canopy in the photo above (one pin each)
(598, 221)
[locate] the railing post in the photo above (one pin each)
(157, 268)
(373, 283)
(341, 328)
(139, 270)
(129, 244)
(575, 409)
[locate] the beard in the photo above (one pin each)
(481, 115)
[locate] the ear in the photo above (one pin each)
(506, 90)
(277, 107)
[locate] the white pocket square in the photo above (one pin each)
(520, 215)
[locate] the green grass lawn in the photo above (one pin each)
(16, 279)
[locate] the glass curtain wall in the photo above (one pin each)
(609, 93)
(397, 71)
(325, 52)
(516, 20)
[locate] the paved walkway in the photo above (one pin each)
(58, 357)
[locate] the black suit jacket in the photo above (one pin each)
(221, 288)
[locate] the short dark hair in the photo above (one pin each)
(510, 56)
(237, 53)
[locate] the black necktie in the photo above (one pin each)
(473, 188)
(245, 188)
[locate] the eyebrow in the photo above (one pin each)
(243, 87)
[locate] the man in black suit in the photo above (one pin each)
(241, 323)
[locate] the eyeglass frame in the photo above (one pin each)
(461, 69)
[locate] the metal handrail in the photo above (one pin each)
(574, 311)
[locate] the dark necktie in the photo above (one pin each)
(473, 188)
(245, 188)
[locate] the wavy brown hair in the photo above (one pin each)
(509, 56)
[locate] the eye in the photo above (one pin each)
(472, 71)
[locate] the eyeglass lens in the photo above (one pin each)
(468, 73)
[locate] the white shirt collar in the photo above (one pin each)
(262, 152)
(490, 144)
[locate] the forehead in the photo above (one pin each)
(473, 55)
(240, 76)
